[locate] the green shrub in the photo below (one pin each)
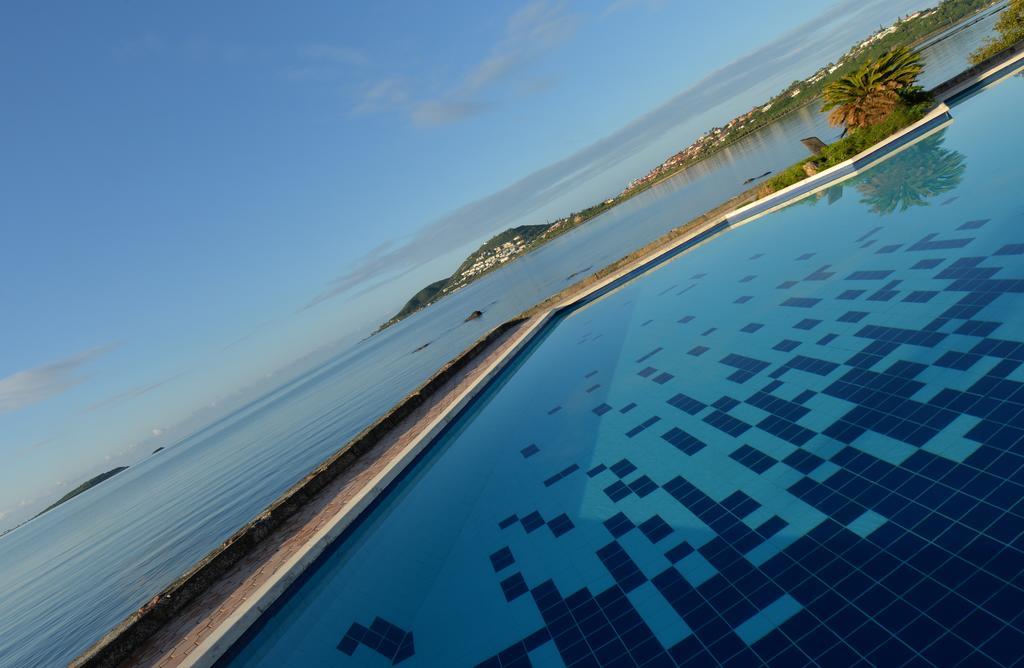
(855, 142)
(785, 178)
(1010, 27)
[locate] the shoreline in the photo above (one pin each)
(924, 42)
(318, 509)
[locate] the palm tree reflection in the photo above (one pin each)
(909, 179)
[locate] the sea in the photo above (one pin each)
(70, 575)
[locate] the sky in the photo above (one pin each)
(195, 195)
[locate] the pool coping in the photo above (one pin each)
(227, 633)
(978, 77)
(233, 628)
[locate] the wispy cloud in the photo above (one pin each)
(31, 386)
(438, 112)
(256, 329)
(536, 28)
(133, 393)
(25, 450)
(815, 41)
(528, 33)
(383, 95)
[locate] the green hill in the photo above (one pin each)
(495, 252)
(88, 484)
(425, 296)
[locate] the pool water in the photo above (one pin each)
(799, 443)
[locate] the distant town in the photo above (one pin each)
(910, 30)
(755, 119)
(491, 260)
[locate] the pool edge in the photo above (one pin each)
(220, 642)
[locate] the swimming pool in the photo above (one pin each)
(801, 442)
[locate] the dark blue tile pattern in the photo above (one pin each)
(383, 637)
(838, 483)
(918, 561)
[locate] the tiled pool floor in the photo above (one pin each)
(800, 443)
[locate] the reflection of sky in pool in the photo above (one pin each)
(801, 442)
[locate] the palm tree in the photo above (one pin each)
(869, 94)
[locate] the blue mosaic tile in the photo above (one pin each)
(846, 493)
(514, 586)
(618, 525)
(383, 637)
(655, 529)
(529, 451)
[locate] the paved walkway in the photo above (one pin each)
(176, 640)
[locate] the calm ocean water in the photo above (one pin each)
(75, 572)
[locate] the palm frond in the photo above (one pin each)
(869, 94)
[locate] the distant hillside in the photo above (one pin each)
(425, 296)
(910, 30)
(88, 484)
(498, 250)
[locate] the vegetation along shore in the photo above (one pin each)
(88, 484)
(909, 105)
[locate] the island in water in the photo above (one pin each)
(88, 484)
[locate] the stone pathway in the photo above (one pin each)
(177, 639)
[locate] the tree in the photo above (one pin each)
(868, 95)
(1010, 27)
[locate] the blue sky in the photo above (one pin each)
(197, 194)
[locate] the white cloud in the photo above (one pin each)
(157, 431)
(31, 386)
(529, 32)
